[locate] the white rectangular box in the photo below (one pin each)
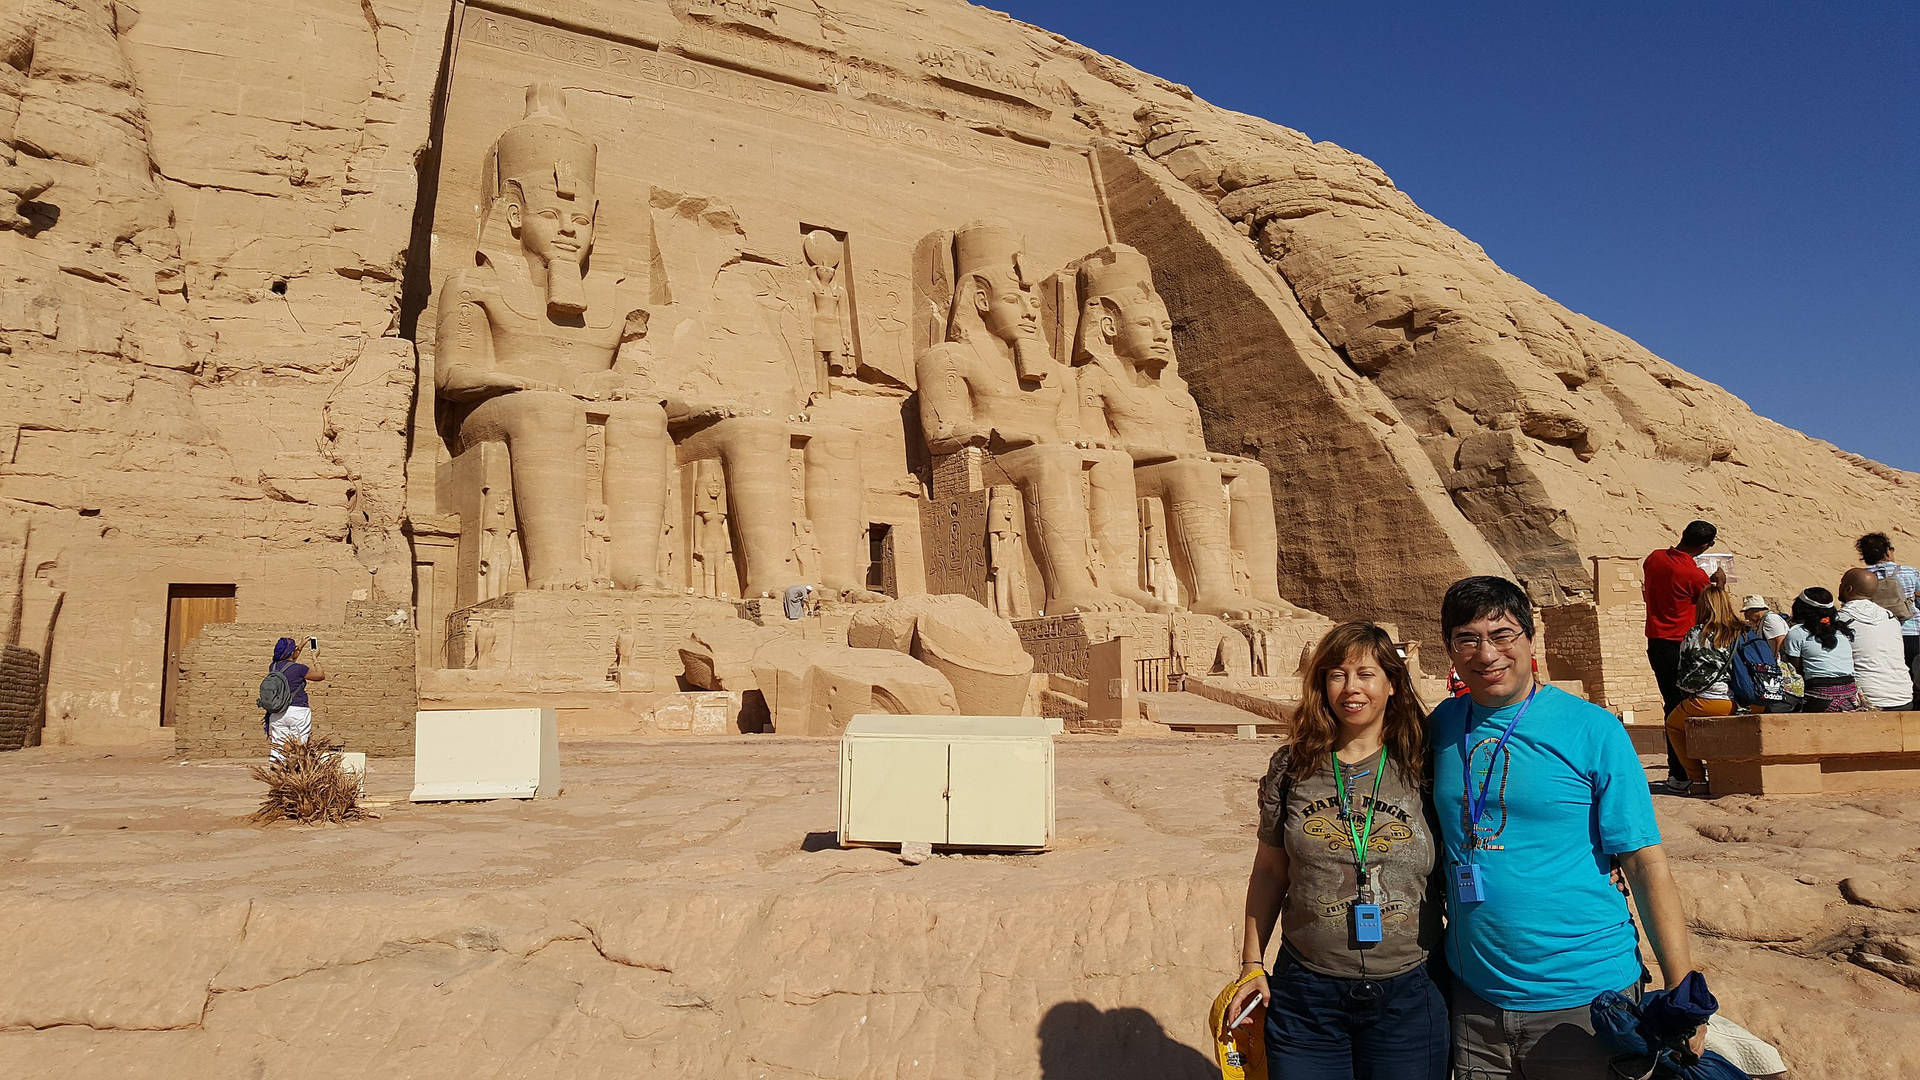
(462, 754)
(950, 781)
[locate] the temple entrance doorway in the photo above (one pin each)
(881, 574)
(189, 609)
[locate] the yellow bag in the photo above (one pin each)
(1242, 1052)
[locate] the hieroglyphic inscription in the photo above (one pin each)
(752, 9)
(953, 536)
(1058, 644)
(806, 95)
(979, 69)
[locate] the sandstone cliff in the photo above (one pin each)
(214, 239)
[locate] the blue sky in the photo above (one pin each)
(1734, 185)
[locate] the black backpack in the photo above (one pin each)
(275, 692)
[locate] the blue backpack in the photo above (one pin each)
(1756, 677)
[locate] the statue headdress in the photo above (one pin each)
(542, 149)
(993, 252)
(1105, 273)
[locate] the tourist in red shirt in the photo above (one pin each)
(1671, 583)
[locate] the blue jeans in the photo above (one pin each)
(1323, 1028)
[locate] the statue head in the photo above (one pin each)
(1119, 311)
(540, 184)
(993, 292)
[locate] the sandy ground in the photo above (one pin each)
(682, 910)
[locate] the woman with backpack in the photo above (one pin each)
(1820, 645)
(1706, 674)
(293, 721)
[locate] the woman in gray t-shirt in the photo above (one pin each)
(1345, 866)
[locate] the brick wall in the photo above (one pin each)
(1570, 649)
(1619, 615)
(367, 701)
(20, 685)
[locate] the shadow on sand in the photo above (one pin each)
(1079, 1041)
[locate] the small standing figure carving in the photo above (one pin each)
(832, 341)
(666, 563)
(486, 645)
(597, 541)
(806, 553)
(496, 544)
(1005, 561)
(1157, 554)
(712, 545)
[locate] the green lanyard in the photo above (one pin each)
(1363, 838)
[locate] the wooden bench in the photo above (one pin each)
(1808, 753)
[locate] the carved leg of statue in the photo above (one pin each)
(546, 437)
(1197, 522)
(835, 504)
(1255, 532)
(1049, 482)
(753, 454)
(1113, 513)
(636, 485)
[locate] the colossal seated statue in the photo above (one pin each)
(534, 345)
(1219, 508)
(529, 336)
(993, 384)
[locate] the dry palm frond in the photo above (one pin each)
(307, 784)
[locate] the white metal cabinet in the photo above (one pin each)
(473, 754)
(954, 781)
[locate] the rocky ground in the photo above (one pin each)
(682, 910)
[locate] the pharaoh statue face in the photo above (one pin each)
(1123, 315)
(1006, 307)
(553, 228)
(1137, 324)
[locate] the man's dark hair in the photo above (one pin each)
(1698, 534)
(1484, 597)
(1873, 548)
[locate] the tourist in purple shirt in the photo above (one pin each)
(295, 722)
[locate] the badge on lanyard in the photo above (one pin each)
(1363, 918)
(1466, 883)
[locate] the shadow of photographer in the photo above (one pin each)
(1080, 1041)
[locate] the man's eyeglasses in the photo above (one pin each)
(1468, 644)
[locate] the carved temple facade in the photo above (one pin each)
(568, 335)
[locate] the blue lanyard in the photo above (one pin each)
(1477, 804)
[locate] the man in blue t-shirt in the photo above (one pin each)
(1539, 793)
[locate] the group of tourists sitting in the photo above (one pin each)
(1834, 652)
(1452, 889)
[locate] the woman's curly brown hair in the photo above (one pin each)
(1315, 725)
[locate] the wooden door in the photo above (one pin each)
(189, 608)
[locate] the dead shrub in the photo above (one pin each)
(308, 785)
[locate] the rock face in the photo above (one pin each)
(199, 341)
(219, 250)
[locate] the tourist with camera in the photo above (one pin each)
(283, 693)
